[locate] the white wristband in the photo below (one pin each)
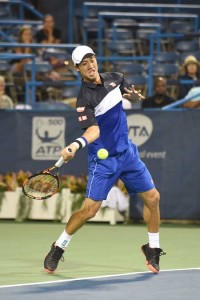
(80, 143)
(83, 141)
(76, 145)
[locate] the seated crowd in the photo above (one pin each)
(187, 81)
(56, 67)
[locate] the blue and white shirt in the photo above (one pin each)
(101, 104)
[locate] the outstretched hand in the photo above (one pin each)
(133, 95)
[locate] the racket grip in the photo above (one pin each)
(60, 162)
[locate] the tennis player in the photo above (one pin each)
(101, 116)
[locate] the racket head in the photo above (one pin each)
(41, 186)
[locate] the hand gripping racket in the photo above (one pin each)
(43, 185)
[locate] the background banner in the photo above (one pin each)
(168, 142)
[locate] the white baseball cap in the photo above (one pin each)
(79, 53)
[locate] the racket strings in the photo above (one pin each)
(41, 185)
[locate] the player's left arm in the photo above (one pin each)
(133, 95)
(129, 92)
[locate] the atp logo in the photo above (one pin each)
(140, 128)
(48, 137)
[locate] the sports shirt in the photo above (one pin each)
(101, 104)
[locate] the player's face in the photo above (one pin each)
(88, 69)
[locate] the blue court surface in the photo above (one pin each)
(170, 284)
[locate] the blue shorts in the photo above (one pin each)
(127, 166)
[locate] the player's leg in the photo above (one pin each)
(151, 209)
(137, 179)
(101, 179)
(78, 218)
(151, 215)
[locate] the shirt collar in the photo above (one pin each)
(93, 85)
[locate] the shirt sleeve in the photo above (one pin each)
(124, 84)
(86, 116)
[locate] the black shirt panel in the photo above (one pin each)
(92, 94)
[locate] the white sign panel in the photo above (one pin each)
(48, 137)
(140, 128)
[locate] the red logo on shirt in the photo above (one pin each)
(83, 118)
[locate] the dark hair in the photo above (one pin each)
(159, 79)
(46, 16)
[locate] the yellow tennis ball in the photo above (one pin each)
(102, 153)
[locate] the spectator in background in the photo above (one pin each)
(25, 37)
(5, 101)
(194, 94)
(48, 34)
(189, 71)
(118, 199)
(160, 97)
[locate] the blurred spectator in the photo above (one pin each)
(117, 199)
(194, 94)
(62, 71)
(58, 64)
(48, 34)
(25, 37)
(160, 97)
(189, 71)
(5, 101)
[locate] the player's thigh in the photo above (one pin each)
(99, 186)
(138, 179)
(102, 176)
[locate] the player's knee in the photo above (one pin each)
(153, 199)
(88, 213)
(92, 214)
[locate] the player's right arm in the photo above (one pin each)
(90, 135)
(88, 123)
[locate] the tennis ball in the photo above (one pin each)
(102, 153)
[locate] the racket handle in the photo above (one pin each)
(60, 162)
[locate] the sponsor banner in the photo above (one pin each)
(140, 128)
(48, 137)
(168, 143)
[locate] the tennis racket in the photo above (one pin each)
(44, 184)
